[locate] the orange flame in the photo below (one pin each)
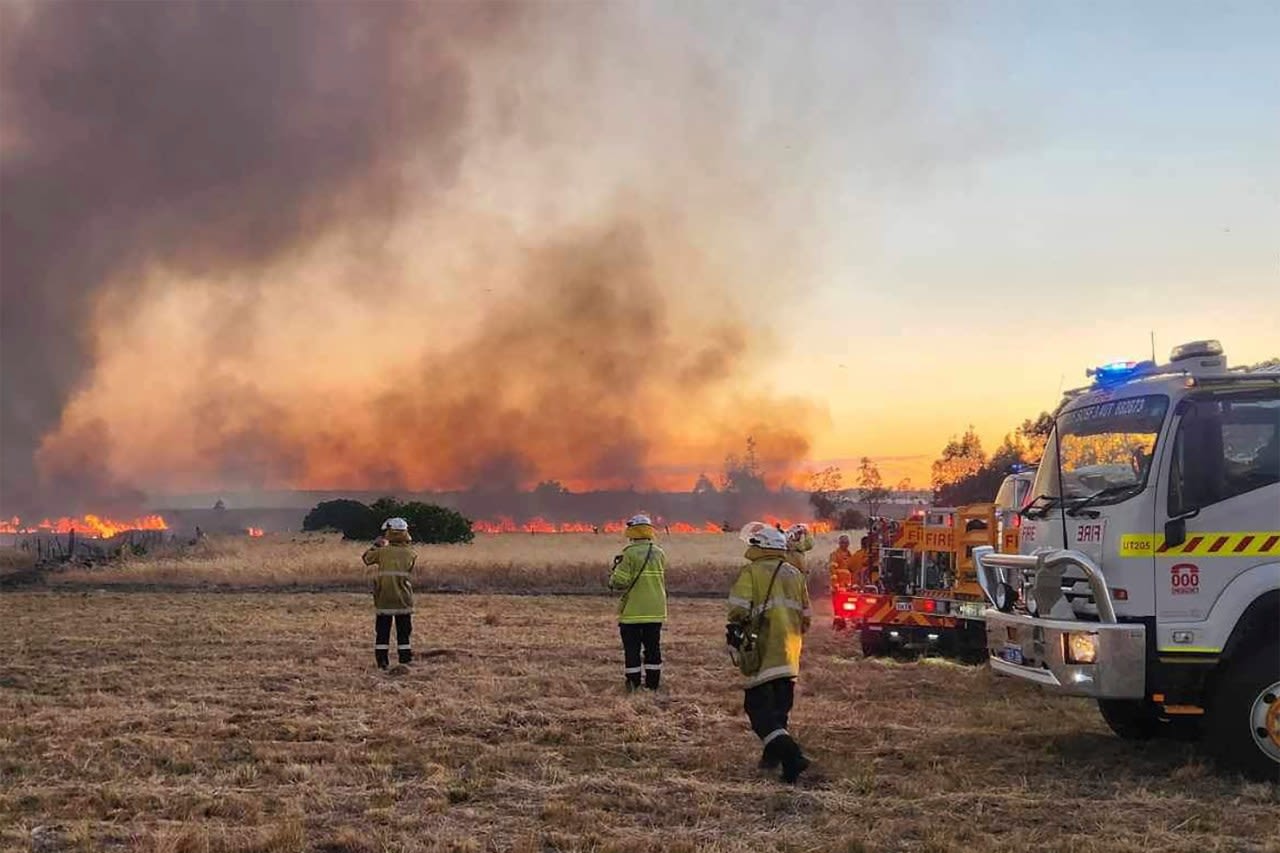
(255, 532)
(537, 524)
(89, 525)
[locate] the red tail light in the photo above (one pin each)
(929, 605)
(1120, 594)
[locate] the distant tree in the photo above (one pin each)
(904, 486)
(1034, 434)
(824, 492)
(871, 490)
(351, 518)
(428, 523)
(960, 458)
(704, 486)
(742, 474)
(433, 524)
(550, 487)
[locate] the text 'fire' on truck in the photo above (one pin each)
(1149, 573)
(912, 585)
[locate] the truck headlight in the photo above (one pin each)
(1081, 647)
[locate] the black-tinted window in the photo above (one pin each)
(1226, 446)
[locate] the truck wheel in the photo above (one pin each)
(1131, 719)
(1243, 731)
(873, 645)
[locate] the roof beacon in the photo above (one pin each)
(1199, 349)
(1119, 371)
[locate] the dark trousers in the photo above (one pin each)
(382, 637)
(646, 637)
(768, 707)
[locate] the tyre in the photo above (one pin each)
(873, 644)
(1131, 719)
(1243, 731)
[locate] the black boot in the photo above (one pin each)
(652, 677)
(769, 759)
(380, 655)
(633, 683)
(793, 760)
(406, 656)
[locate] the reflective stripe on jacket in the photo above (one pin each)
(392, 589)
(787, 615)
(647, 599)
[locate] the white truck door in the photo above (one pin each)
(1222, 486)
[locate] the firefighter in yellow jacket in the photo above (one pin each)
(392, 590)
(799, 543)
(640, 573)
(769, 609)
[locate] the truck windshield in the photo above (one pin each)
(1106, 450)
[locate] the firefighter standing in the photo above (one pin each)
(841, 564)
(640, 573)
(392, 590)
(799, 543)
(769, 610)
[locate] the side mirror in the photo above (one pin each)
(1175, 529)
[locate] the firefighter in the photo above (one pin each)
(841, 564)
(640, 573)
(799, 542)
(392, 590)
(768, 617)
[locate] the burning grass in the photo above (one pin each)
(503, 563)
(237, 723)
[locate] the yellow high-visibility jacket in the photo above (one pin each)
(787, 615)
(392, 589)
(795, 553)
(647, 599)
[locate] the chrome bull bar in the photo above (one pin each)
(1045, 568)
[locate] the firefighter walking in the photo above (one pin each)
(392, 591)
(639, 572)
(768, 616)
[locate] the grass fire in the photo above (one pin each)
(638, 427)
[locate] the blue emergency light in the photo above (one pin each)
(1119, 371)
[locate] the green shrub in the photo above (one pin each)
(428, 523)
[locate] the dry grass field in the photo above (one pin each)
(256, 723)
(516, 563)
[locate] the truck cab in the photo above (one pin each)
(1148, 572)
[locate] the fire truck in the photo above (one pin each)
(921, 593)
(1148, 577)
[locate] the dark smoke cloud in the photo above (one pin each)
(201, 136)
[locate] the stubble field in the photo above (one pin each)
(192, 722)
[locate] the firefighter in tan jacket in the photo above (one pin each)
(769, 607)
(392, 590)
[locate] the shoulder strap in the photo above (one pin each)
(768, 592)
(643, 566)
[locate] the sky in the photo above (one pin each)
(1127, 181)
(435, 245)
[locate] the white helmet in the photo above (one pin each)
(395, 524)
(796, 532)
(638, 519)
(763, 536)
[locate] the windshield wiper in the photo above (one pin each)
(1109, 492)
(1035, 509)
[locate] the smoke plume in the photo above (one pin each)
(386, 245)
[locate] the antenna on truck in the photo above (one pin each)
(1153, 345)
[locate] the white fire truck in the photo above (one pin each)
(1148, 576)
